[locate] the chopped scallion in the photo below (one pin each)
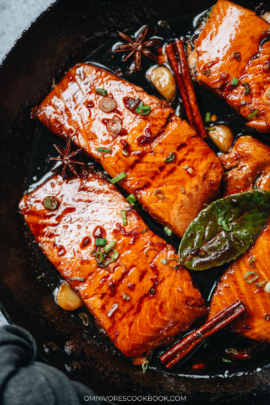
(131, 199)
(143, 109)
(124, 217)
(170, 158)
(226, 360)
(109, 247)
(164, 260)
(249, 273)
(104, 150)
(168, 231)
(253, 114)
(125, 153)
(208, 117)
(243, 102)
(159, 194)
(126, 297)
(145, 366)
(183, 190)
(100, 242)
(234, 81)
(152, 292)
(251, 261)
(101, 92)
(99, 257)
(185, 167)
(114, 256)
(209, 129)
(247, 88)
(118, 178)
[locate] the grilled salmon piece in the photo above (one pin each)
(138, 300)
(173, 192)
(249, 162)
(246, 166)
(233, 57)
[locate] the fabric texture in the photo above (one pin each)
(26, 381)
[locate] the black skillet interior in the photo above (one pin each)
(68, 32)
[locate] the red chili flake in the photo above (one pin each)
(90, 104)
(85, 242)
(99, 232)
(131, 103)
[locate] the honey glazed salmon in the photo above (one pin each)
(248, 167)
(138, 300)
(168, 167)
(233, 59)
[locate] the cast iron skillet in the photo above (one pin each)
(63, 35)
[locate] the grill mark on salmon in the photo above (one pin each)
(64, 112)
(144, 321)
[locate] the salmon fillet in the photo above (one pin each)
(233, 45)
(188, 182)
(140, 302)
(250, 165)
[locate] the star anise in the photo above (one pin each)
(138, 47)
(65, 156)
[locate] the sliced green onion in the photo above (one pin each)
(208, 117)
(104, 150)
(259, 285)
(152, 292)
(226, 360)
(249, 274)
(206, 72)
(148, 250)
(84, 318)
(168, 231)
(185, 167)
(100, 242)
(126, 297)
(164, 260)
(101, 92)
(170, 158)
(266, 317)
(247, 88)
(145, 366)
(253, 114)
(251, 261)
(209, 129)
(159, 194)
(125, 153)
(109, 247)
(183, 190)
(131, 199)
(100, 260)
(118, 178)
(114, 256)
(143, 109)
(51, 203)
(124, 217)
(76, 278)
(243, 102)
(234, 81)
(231, 351)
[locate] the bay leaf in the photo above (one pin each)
(224, 230)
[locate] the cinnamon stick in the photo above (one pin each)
(175, 67)
(215, 324)
(190, 88)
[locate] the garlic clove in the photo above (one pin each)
(164, 81)
(222, 137)
(67, 298)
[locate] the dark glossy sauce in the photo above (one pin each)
(211, 358)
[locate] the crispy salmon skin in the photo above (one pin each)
(233, 57)
(247, 166)
(169, 168)
(138, 300)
